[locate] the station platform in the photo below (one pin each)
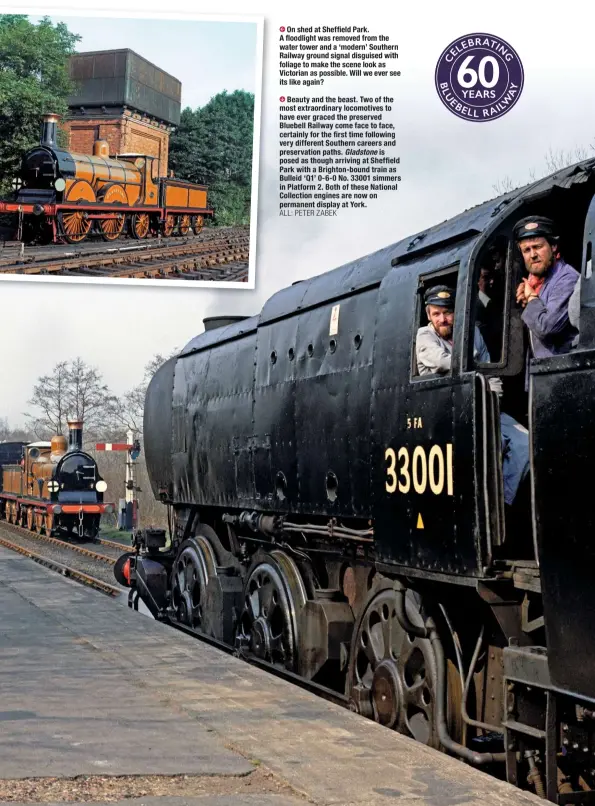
(100, 704)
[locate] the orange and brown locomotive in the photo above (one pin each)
(66, 196)
(52, 487)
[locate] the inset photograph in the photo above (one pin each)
(129, 149)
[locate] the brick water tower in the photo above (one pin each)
(125, 100)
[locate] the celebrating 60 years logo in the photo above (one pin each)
(479, 77)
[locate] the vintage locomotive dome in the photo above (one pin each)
(58, 446)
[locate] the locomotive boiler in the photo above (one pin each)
(66, 196)
(338, 516)
(53, 487)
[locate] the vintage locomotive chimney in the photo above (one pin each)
(75, 435)
(48, 131)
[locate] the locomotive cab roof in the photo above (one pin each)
(461, 234)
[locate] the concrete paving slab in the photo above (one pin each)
(67, 711)
(131, 676)
(206, 800)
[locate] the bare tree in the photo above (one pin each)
(556, 160)
(8, 434)
(88, 397)
(50, 395)
(503, 186)
(127, 411)
(72, 391)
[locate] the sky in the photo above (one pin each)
(447, 165)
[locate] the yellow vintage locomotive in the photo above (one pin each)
(52, 487)
(66, 196)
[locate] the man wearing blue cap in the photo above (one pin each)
(433, 351)
(546, 293)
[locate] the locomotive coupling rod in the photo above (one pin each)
(430, 632)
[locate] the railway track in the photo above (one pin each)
(84, 565)
(214, 255)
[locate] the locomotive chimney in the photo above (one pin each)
(48, 131)
(75, 435)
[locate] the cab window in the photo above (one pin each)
(446, 277)
(489, 297)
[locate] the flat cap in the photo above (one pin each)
(534, 227)
(440, 295)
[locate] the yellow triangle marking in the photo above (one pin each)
(420, 523)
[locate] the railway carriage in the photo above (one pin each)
(52, 487)
(66, 196)
(339, 517)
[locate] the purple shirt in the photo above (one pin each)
(546, 317)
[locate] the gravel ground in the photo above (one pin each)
(109, 789)
(66, 556)
(108, 551)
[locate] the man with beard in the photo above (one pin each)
(433, 346)
(433, 351)
(545, 294)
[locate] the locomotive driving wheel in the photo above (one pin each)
(393, 674)
(48, 523)
(193, 567)
(169, 225)
(139, 225)
(274, 595)
(38, 524)
(111, 228)
(184, 225)
(74, 225)
(197, 223)
(30, 518)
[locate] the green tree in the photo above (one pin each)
(213, 146)
(34, 81)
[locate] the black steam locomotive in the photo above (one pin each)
(339, 516)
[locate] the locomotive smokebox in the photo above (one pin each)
(75, 435)
(48, 131)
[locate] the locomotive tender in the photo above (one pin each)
(338, 516)
(52, 487)
(64, 194)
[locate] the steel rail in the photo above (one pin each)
(29, 253)
(57, 542)
(111, 543)
(65, 570)
(129, 259)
